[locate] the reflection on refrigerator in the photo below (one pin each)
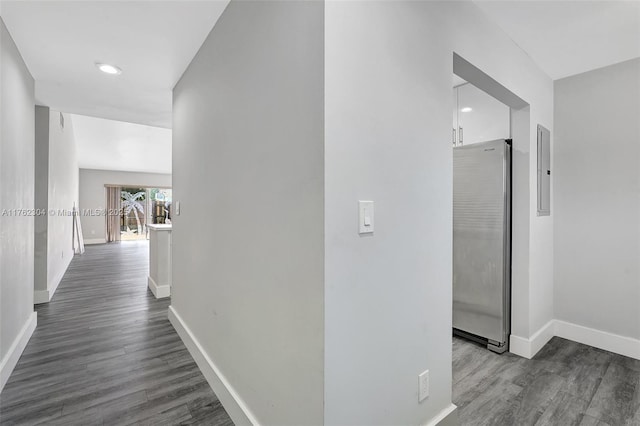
(482, 242)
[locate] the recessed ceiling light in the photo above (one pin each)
(466, 109)
(108, 69)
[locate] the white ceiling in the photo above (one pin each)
(570, 37)
(152, 41)
(116, 145)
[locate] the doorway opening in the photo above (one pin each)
(481, 217)
(491, 197)
(508, 116)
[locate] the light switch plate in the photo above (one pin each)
(366, 220)
(423, 385)
(177, 208)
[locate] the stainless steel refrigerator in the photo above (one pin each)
(482, 242)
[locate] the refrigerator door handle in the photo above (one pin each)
(460, 135)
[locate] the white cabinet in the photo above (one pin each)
(455, 117)
(478, 117)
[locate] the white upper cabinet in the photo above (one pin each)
(454, 137)
(478, 117)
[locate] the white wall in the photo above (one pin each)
(41, 200)
(17, 146)
(596, 181)
(388, 139)
(63, 195)
(93, 195)
(57, 192)
(248, 244)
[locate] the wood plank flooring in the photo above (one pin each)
(565, 384)
(104, 353)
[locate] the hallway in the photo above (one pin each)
(104, 352)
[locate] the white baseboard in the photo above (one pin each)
(528, 347)
(44, 296)
(600, 339)
(53, 286)
(519, 346)
(231, 401)
(95, 241)
(615, 343)
(446, 417)
(159, 291)
(41, 296)
(17, 347)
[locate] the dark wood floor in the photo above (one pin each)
(105, 353)
(565, 384)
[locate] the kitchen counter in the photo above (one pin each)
(159, 279)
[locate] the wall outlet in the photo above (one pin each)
(423, 386)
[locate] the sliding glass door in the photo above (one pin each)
(133, 221)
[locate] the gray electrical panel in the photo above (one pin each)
(544, 171)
